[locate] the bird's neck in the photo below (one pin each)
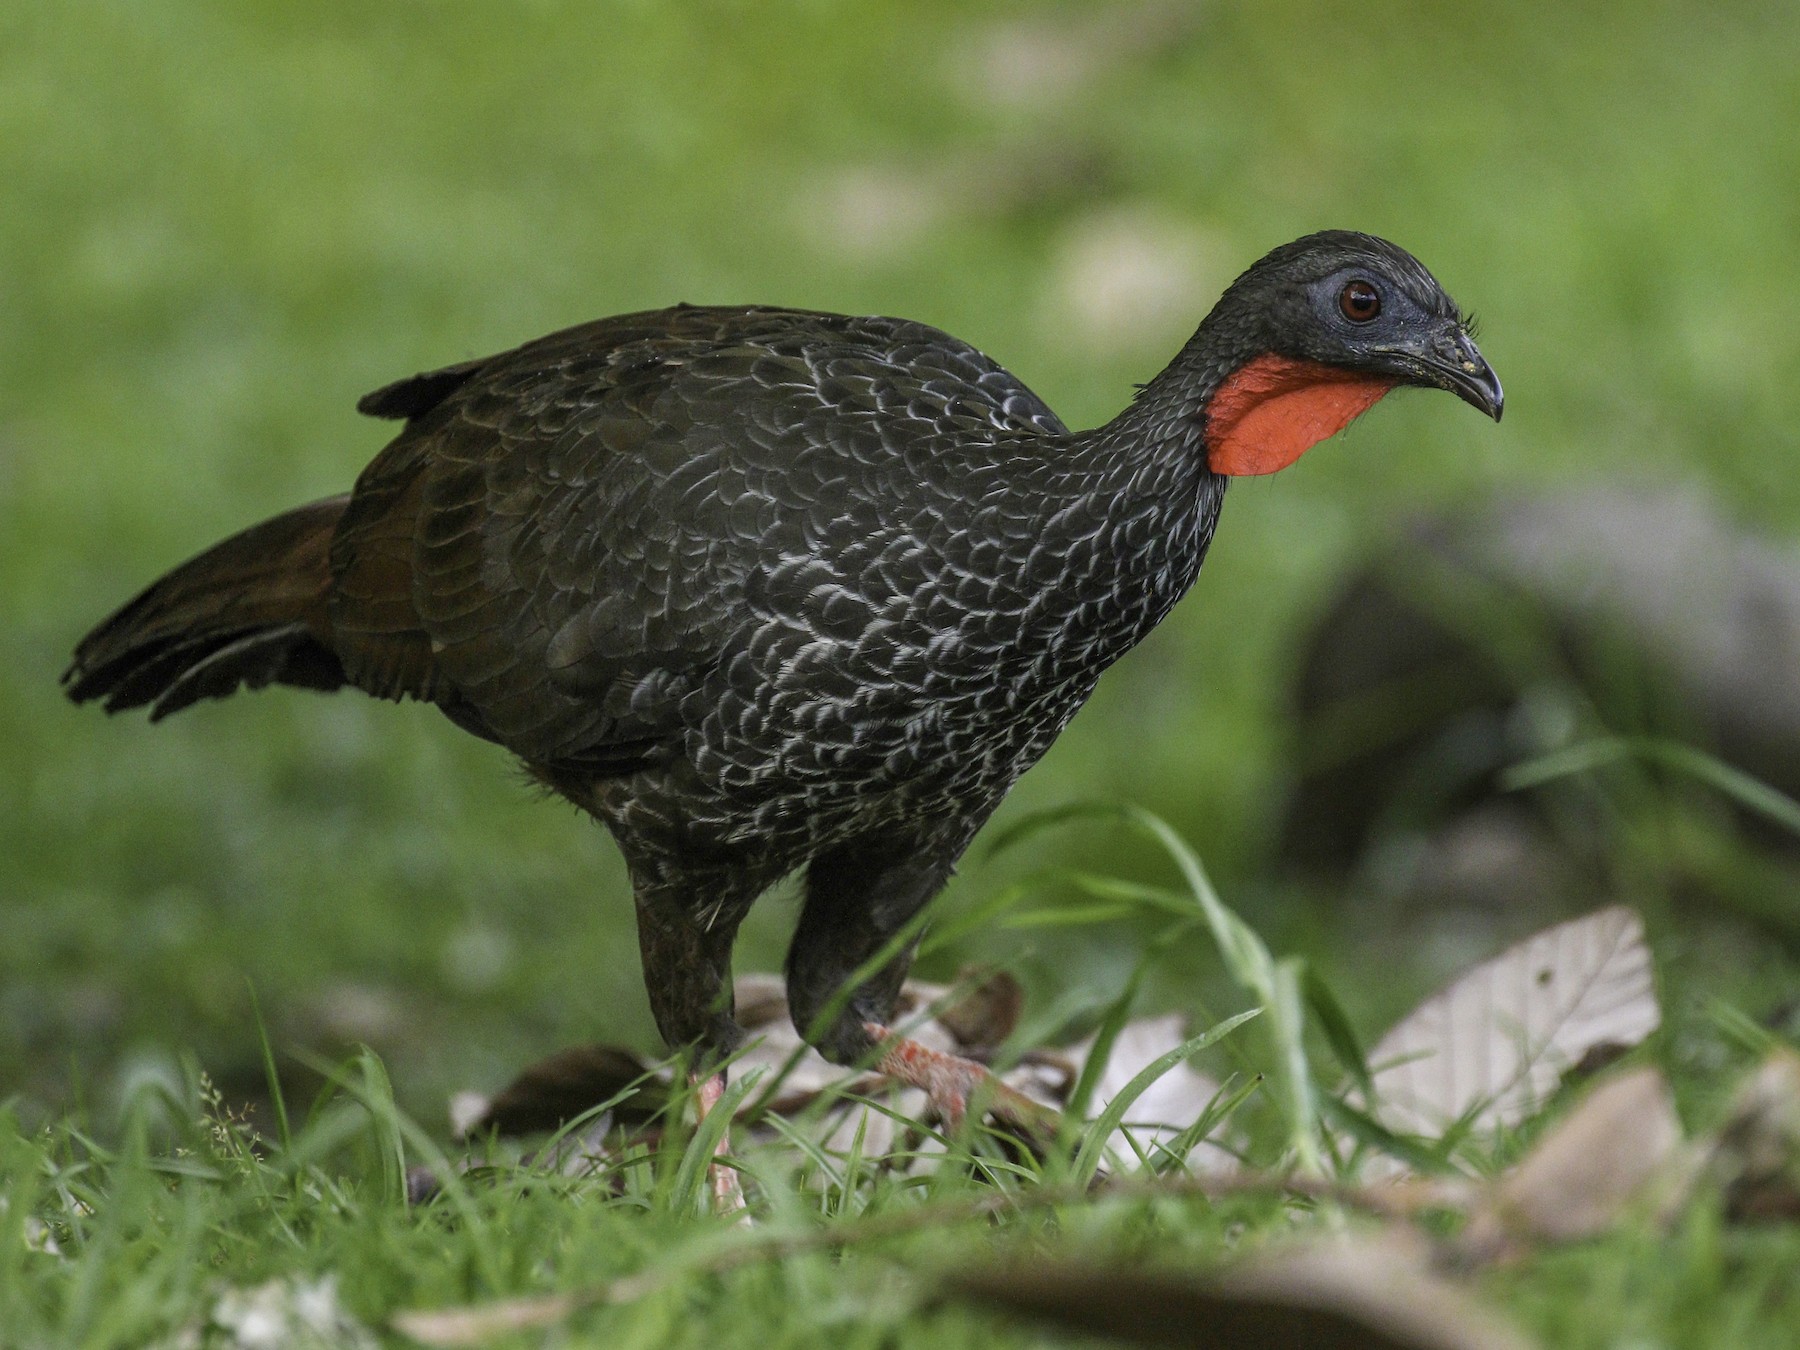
(1221, 409)
(1157, 444)
(1141, 499)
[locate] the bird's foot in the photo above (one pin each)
(727, 1190)
(951, 1082)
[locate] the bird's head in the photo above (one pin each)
(1314, 333)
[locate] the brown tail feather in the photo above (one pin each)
(248, 612)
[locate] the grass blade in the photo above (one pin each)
(1112, 1023)
(268, 1061)
(1094, 1140)
(1748, 792)
(701, 1152)
(1364, 1129)
(1340, 1034)
(1173, 1155)
(1244, 953)
(1287, 1028)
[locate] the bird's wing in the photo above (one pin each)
(567, 538)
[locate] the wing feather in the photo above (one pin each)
(568, 540)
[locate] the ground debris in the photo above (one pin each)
(1370, 1293)
(1755, 1156)
(970, 1017)
(1621, 1146)
(1492, 1046)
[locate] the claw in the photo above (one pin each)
(949, 1082)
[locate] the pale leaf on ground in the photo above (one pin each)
(1755, 1157)
(1363, 1294)
(776, 1047)
(760, 998)
(1498, 1039)
(1587, 1170)
(1130, 276)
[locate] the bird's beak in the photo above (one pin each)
(1452, 361)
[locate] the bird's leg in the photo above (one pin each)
(858, 897)
(685, 932)
(951, 1082)
(727, 1191)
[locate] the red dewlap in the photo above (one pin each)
(1272, 410)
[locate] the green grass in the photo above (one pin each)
(223, 223)
(145, 1226)
(167, 1234)
(147, 1222)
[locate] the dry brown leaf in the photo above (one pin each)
(1359, 1295)
(986, 1010)
(555, 1090)
(1755, 1157)
(1586, 1171)
(1499, 1038)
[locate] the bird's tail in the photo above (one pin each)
(247, 612)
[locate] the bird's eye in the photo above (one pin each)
(1360, 301)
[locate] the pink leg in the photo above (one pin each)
(948, 1081)
(727, 1191)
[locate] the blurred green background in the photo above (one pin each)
(222, 223)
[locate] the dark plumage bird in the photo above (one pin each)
(766, 590)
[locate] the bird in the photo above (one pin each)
(769, 591)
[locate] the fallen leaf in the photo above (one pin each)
(1365, 1294)
(423, 1184)
(349, 1012)
(1494, 1044)
(556, 1090)
(1755, 1157)
(1586, 1170)
(807, 1075)
(986, 1009)
(875, 210)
